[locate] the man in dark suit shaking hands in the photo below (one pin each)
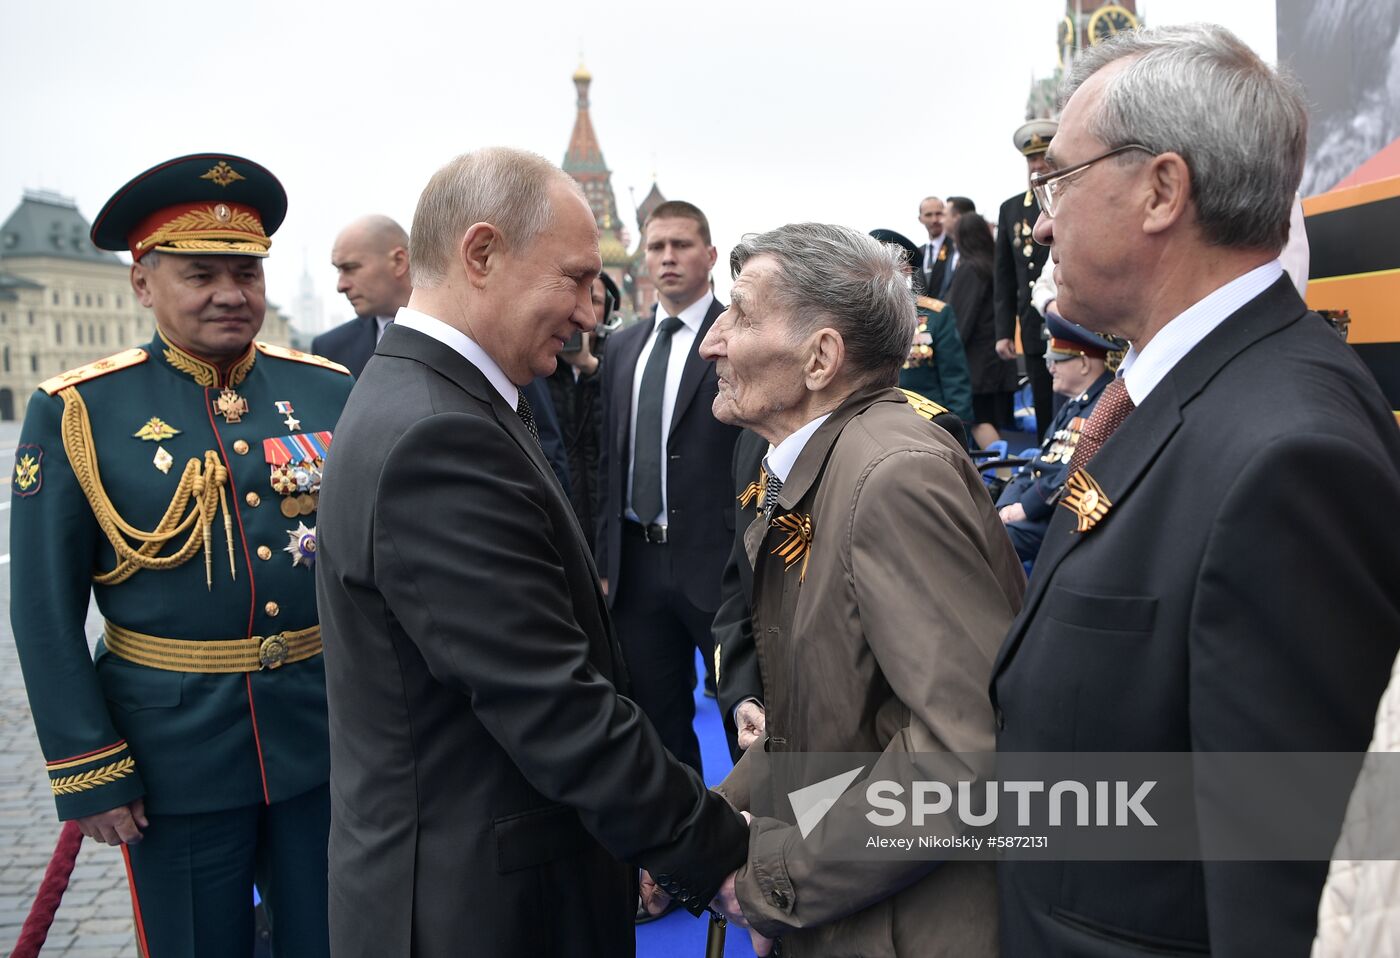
(370, 257)
(1203, 586)
(487, 772)
(668, 510)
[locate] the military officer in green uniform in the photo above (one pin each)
(937, 365)
(178, 482)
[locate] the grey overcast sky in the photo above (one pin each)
(761, 112)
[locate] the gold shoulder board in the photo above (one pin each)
(923, 405)
(110, 364)
(297, 356)
(928, 302)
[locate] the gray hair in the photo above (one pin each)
(1199, 92)
(505, 187)
(839, 277)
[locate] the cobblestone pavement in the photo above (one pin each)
(94, 920)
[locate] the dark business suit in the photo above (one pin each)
(486, 776)
(935, 280)
(351, 343)
(1231, 599)
(664, 596)
(1019, 260)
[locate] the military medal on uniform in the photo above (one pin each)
(284, 408)
(294, 469)
(231, 406)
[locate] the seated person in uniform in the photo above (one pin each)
(1079, 370)
(937, 365)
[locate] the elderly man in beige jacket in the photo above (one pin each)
(883, 585)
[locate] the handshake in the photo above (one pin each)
(726, 904)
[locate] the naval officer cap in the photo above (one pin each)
(1068, 340)
(1033, 138)
(205, 203)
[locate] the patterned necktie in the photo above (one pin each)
(646, 460)
(1109, 412)
(527, 416)
(772, 485)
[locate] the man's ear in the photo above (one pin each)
(1169, 192)
(141, 284)
(825, 358)
(480, 252)
(399, 257)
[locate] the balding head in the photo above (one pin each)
(371, 257)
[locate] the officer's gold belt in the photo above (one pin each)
(220, 656)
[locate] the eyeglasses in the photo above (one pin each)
(1048, 186)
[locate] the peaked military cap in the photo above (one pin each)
(212, 203)
(1068, 340)
(911, 252)
(1033, 138)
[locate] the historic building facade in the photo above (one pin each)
(64, 302)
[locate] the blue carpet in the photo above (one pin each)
(679, 934)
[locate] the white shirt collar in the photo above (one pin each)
(382, 323)
(782, 457)
(461, 343)
(1143, 371)
(692, 316)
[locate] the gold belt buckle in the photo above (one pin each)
(272, 652)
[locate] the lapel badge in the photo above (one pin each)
(231, 406)
(301, 545)
(762, 486)
(156, 430)
(284, 408)
(163, 460)
(797, 547)
(29, 477)
(1085, 498)
(943, 253)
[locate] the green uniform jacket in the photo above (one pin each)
(112, 730)
(937, 365)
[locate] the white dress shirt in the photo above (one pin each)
(782, 457)
(1142, 371)
(682, 344)
(381, 323)
(461, 343)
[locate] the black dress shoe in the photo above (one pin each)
(644, 916)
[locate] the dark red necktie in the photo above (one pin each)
(1109, 412)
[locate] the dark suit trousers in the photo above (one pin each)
(659, 630)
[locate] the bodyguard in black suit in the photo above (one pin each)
(370, 257)
(668, 514)
(936, 258)
(1204, 585)
(1019, 260)
(487, 773)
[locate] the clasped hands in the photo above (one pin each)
(726, 903)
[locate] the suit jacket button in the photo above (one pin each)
(253, 499)
(264, 553)
(272, 608)
(240, 447)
